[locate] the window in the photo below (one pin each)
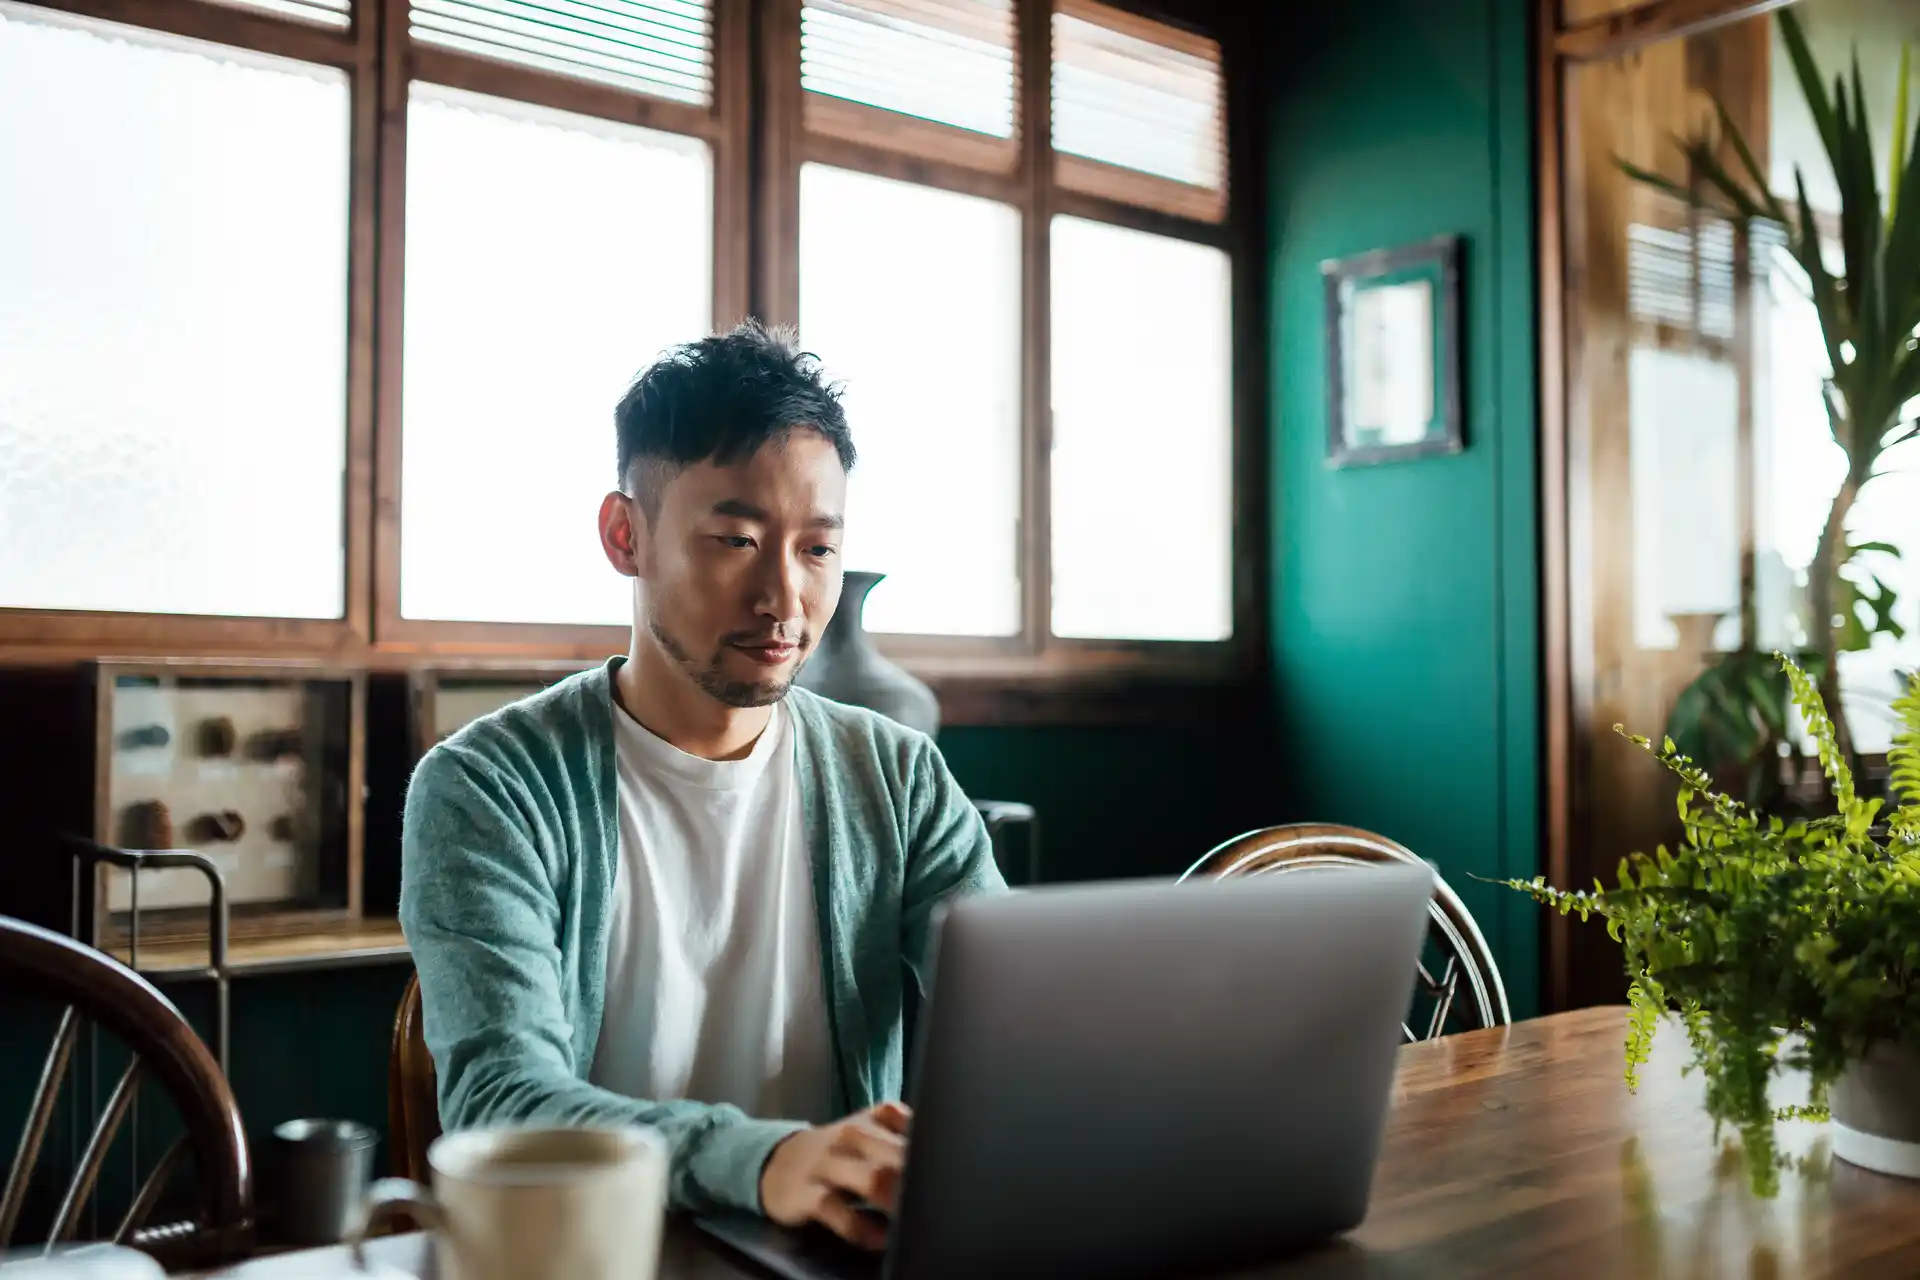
(332, 300)
(911, 284)
(173, 324)
(1797, 472)
(927, 396)
(535, 289)
(1142, 448)
(562, 208)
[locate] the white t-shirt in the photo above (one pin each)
(713, 988)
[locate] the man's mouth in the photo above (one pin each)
(770, 653)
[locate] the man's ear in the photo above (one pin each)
(623, 533)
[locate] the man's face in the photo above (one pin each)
(741, 566)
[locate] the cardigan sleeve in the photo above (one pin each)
(482, 918)
(949, 853)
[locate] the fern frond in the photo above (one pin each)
(1694, 780)
(1580, 901)
(1904, 757)
(1813, 709)
(1647, 1004)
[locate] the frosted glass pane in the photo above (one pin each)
(550, 257)
(1142, 436)
(173, 324)
(896, 279)
(1684, 442)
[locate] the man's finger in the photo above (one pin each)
(893, 1116)
(876, 1183)
(837, 1215)
(869, 1141)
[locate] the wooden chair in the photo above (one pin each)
(413, 1104)
(93, 987)
(1462, 953)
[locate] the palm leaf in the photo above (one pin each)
(1703, 162)
(1861, 228)
(1818, 103)
(1731, 133)
(1807, 250)
(1903, 229)
(1898, 155)
(1903, 382)
(1652, 179)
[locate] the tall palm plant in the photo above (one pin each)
(1869, 311)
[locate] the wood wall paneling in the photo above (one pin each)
(1613, 33)
(1579, 12)
(1612, 79)
(1556, 672)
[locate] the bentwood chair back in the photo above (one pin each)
(1458, 986)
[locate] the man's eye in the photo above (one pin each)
(738, 541)
(820, 553)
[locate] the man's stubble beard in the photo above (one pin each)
(733, 693)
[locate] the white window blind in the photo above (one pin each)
(1681, 278)
(1683, 267)
(1143, 97)
(659, 47)
(947, 61)
(325, 13)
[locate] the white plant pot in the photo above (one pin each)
(1876, 1112)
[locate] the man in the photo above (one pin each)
(675, 890)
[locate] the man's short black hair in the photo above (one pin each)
(718, 400)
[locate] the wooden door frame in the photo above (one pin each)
(1557, 45)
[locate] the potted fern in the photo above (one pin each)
(1783, 947)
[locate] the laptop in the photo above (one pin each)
(1134, 1078)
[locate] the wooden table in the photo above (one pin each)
(1519, 1152)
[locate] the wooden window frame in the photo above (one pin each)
(723, 125)
(62, 634)
(869, 140)
(755, 127)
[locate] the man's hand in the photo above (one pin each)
(826, 1174)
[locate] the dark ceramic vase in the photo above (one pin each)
(847, 668)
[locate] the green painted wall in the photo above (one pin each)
(1405, 596)
(1123, 800)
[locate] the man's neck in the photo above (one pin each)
(658, 694)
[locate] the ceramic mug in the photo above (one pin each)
(514, 1203)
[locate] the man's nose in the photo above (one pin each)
(780, 590)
